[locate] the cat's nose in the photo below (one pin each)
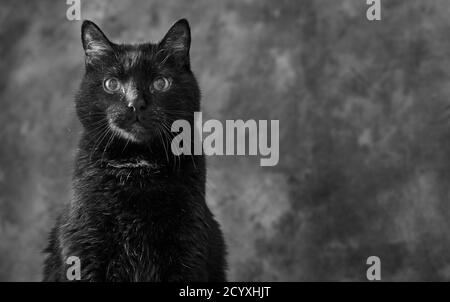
(132, 97)
(137, 104)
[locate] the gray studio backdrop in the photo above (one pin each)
(364, 132)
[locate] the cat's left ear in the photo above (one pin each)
(95, 43)
(177, 41)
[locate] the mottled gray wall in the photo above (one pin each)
(365, 160)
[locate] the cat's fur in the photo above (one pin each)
(138, 212)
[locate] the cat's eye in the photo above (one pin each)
(111, 85)
(161, 84)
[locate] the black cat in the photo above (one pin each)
(138, 211)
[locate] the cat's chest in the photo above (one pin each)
(143, 252)
(149, 228)
(135, 261)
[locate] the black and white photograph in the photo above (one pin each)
(252, 141)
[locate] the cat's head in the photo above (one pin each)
(135, 92)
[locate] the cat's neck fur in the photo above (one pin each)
(119, 154)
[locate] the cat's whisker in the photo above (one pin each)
(100, 130)
(163, 131)
(167, 137)
(177, 112)
(171, 137)
(104, 132)
(98, 126)
(126, 144)
(112, 134)
(164, 145)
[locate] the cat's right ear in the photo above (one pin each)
(95, 43)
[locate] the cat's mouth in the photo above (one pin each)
(137, 129)
(133, 127)
(132, 133)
